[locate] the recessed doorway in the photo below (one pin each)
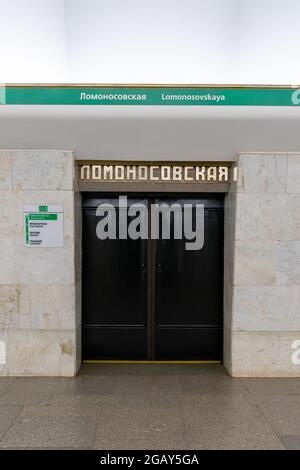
(151, 298)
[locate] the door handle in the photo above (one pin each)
(143, 268)
(158, 268)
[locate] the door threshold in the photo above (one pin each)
(92, 361)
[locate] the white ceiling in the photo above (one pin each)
(157, 41)
(151, 132)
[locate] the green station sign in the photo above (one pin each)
(148, 96)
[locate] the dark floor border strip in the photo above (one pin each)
(104, 361)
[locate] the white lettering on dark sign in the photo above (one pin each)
(158, 173)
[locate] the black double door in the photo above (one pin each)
(152, 299)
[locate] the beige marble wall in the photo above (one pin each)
(40, 288)
(265, 316)
(229, 247)
(38, 298)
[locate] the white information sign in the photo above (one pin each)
(44, 225)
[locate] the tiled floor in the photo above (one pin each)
(152, 406)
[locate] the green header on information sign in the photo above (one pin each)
(42, 216)
(148, 96)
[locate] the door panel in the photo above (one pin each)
(188, 343)
(114, 290)
(189, 293)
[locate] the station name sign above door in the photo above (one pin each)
(157, 172)
(150, 95)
